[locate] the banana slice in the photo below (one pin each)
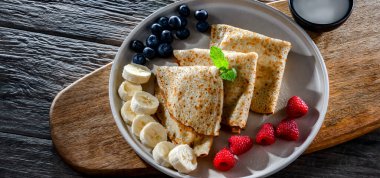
(152, 134)
(126, 113)
(128, 89)
(161, 153)
(183, 159)
(144, 103)
(139, 122)
(135, 73)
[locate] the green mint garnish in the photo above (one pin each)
(221, 63)
(230, 75)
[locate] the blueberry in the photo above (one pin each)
(136, 46)
(183, 21)
(164, 22)
(202, 26)
(201, 14)
(182, 33)
(184, 10)
(139, 59)
(149, 53)
(152, 41)
(174, 22)
(165, 50)
(156, 29)
(166, 36)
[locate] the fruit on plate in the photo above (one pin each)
(139, 59)
(182, 33)
(202, 26)
(136, 46)
(296, 107)
(139, 122)
(156, 29)
(152, 41)
(149, 52)
(165, 50)
(240, 144)
(183, 21)
(201, 14)
(164, 22)
(161, 153)
(183, 158)
(152, 134)
(288, 130)
(136, 73)
(128, 89)
(266, 135)
(144, 103)
(127, 114)
(166, 36)
(174, 22)
(163, 31)
(224, 160)
(184, 10)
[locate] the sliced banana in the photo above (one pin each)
(161, 153)
(128, 89)
(136, 73)
(139, 122)
(126, 113)
(144, 103)
(152, 134)
(183, 159)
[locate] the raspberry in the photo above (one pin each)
(224, 160)
(266, 135)
(296, 107)
(240, 144)
(288, 130)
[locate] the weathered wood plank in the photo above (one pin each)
(107, 22)
(22, 156)
(34, 68)
(357, 158)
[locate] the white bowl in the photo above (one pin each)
(305, 75)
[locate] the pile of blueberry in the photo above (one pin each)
(201, 16)
(163, 32)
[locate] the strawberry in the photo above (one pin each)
(296, 107)
(224, 160)
(266, 135)
(240, 144)
(288, 130)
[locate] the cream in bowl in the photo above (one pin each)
(320, 15)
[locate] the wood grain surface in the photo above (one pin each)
(41, 55)
(352, 109)
(98, 21)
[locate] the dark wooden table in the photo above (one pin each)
(46, 45)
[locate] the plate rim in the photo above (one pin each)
(170, 172)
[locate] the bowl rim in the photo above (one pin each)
(147, 158)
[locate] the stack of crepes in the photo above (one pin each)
(194, 100)
(270, 65)
(237, 93)
(191, 101)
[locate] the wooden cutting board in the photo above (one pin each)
(85, 134)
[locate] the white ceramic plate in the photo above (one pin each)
(305, 76)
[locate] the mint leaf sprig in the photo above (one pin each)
(217, 57)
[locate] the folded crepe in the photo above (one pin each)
(237, 93)
(181, 134)
(270, 65)
(193, 95)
